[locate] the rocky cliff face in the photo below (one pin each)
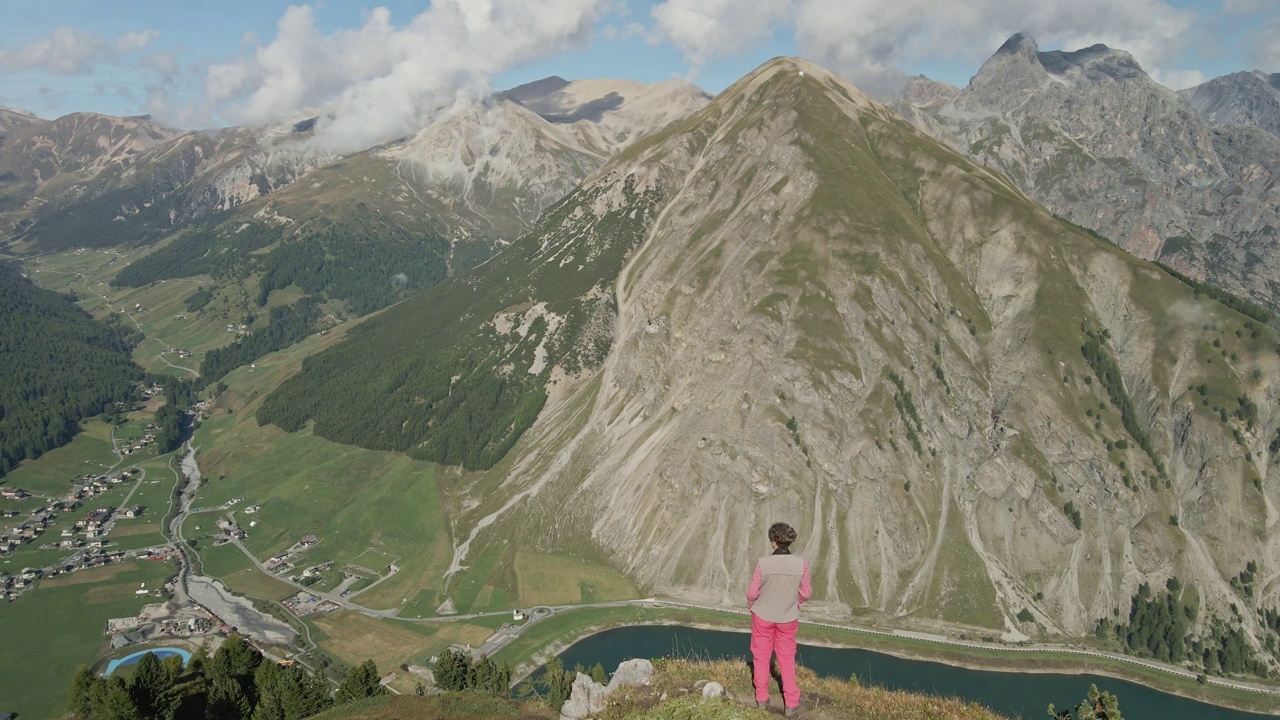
(967, 406)
(1093, 138)
(1243, 98)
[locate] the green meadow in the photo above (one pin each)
(50, 632)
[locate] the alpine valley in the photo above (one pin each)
(578, 343)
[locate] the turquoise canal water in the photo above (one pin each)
(1025, 695)
(161, 653)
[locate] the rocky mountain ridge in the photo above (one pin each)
(1100, 143)
(1242, 98)
(793, 305)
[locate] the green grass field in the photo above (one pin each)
(554, 580)
(160, 309)
(50, 632)
(52, 473)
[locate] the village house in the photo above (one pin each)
(133, 512)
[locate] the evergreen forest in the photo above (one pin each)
(58, 366)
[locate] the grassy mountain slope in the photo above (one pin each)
(970, 407)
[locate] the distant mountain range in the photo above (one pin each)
(230, 204)
(1188, 179)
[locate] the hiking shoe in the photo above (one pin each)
(791, 711)
(762, 703)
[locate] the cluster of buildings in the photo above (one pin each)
(241, 329)
(305, 603)
(14, 493)
(25, 532)
(132, 446)
(163, 620)
(286, 560)
(91, 486)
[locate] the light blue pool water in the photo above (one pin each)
(161, 653)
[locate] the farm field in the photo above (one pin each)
(353, 637)
(52, 631)
(554, 580)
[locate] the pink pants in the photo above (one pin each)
(766, 639)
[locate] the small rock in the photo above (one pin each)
(712, 690)
(631, 672)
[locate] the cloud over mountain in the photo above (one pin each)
(868, 41)
(379, 81)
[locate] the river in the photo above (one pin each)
(210, 592)
(1025, 695)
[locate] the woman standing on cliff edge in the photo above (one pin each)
(779, 586)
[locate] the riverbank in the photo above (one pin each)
(554, 635)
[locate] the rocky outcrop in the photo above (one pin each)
(1244, 98)
(1092, 137)
(589, 698)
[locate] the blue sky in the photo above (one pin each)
(133, 56)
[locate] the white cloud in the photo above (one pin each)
(702, 29)
(380, 81)
(136, 40)
(70, 51)
(1266, 53)
(1244, 7)
(1179, 79)
(868, 41)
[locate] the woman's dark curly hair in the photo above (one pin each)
(782, 534)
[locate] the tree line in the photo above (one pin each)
(58, 366)
(1106, 369)
(361, 260)
(235, 683)
(287, 324)
(1158, 626)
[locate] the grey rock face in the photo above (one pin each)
(587, 699)
(1243, 98)
(835, 321)
(1097, 141)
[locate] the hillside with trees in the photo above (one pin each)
(58, 366)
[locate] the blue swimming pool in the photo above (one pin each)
(161, 653)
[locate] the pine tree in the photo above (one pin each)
(152, 689)
(115, 702)
(227, 700)
(1097, 706)
(86, 687)
(361, 682)
(558, 682)
(597, 673)
(481, 677)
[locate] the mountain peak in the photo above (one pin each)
(1020, 43)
